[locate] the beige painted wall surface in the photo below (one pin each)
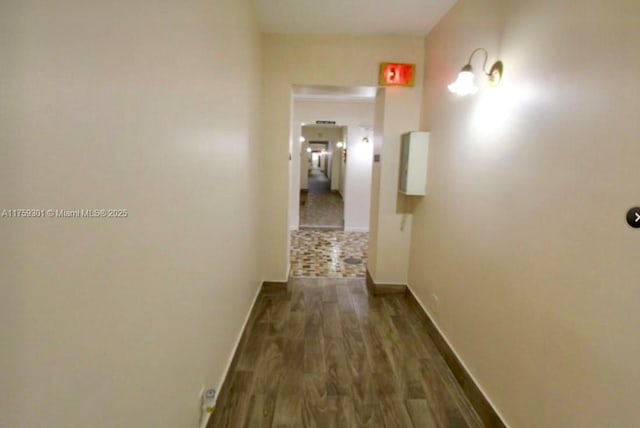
(339, 61)
(378, 136)
(391, 235)
(119, 322)
(522, 235)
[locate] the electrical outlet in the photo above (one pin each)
(207, 404)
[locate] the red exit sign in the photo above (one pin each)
(393, 74)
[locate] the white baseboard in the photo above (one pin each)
(356, 229)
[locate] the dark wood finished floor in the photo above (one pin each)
(327, 354)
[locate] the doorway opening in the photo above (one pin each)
(331, 172)
(321, 200)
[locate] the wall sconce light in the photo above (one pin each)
(339, 144)
(309, 149)
(464, 84)
(302, 139)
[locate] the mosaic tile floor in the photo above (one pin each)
(322, 253)
(320, 207)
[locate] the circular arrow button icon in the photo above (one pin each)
(633, 217)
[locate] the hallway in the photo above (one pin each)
(320, 207)
(326, 353)
(508, 228)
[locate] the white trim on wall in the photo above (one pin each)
(356, 229)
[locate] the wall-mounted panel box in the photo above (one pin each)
(413, 163)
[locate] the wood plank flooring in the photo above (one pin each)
(327, 354)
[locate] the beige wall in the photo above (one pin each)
(339, 61)
(336, 161)
(522, 236)
(343, 170)
(390, 234)
(152, 108)
(378, 136)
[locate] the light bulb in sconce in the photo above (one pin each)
(309, 150)
(339, 144)
(465, 83)
(302, 140)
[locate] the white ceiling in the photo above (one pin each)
(358, 17)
